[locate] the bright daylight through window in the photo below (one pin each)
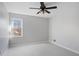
(16, 27)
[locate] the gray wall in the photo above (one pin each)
(3, 28)
(64, 25)
(35, 30)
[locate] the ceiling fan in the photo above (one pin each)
(44, 9)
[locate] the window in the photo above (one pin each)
(16, 27)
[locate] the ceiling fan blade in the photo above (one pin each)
(39, 11)
(54, 7)
(47, 11)
(34, 8)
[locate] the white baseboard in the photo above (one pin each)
(62, 46)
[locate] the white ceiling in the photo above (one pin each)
(23, 8)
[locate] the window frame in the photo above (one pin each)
(10, 26)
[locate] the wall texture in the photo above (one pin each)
(64, 25)
(35, 30)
